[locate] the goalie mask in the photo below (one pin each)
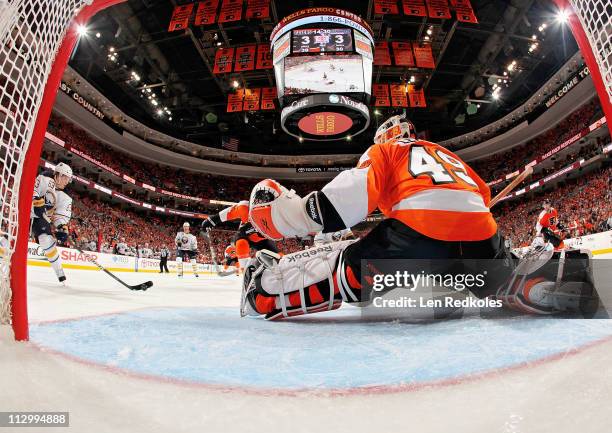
(395, 127)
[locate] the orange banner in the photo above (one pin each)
(224, 57)
(231, 10)
(414, 8)
(398, 95)
(438, 9)
(234, 101)
(267, 98)
(251, 99)
(264, 57)
(424, 56)
(382, 56)
(258, 9)
(464, 11)
(402, 53)
(180, 17)
(381, 92)
(206, 12)
(245, 58)
(416, 97)
(382, 7)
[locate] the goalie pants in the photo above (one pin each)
(391, 239)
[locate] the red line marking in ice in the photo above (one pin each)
(328, 392)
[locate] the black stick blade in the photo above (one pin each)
(143, 286)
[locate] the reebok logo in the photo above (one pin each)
(308, 253)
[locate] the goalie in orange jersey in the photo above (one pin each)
(436, 206)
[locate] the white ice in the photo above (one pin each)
(568, 393)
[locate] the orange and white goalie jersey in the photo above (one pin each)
(547, 219)
(238, 211)
(419, 183)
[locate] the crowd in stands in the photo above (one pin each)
(500, 164)
(584, 206)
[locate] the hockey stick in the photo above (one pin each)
(517, 180)
(143, 286)
(213, 256)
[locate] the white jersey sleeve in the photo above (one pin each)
(44, 194)
(63, 209)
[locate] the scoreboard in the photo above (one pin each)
(322, 40)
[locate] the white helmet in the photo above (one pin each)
(64, 169)
(395, 127)
(185, 224)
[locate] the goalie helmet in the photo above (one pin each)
(63, 169)
(395, 127)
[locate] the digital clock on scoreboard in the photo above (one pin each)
(322, 40)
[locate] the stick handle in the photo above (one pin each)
(517, 180)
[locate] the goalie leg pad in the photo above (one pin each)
(300, 283)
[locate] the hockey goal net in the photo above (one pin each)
(36, 39)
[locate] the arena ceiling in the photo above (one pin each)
(470, 59)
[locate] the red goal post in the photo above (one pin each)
(36, 40)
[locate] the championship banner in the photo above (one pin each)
(438, 9)
(381, 93)
(424, 56)
(224, 58)
(382, 7)
(402, 53)
(464, 10)
(234, 101)
(398, 95)
(231, 10)
(206, 12)
(382, 56)
(267, 98)
(264, 57)
(258, 9)
(251, 99)
(245, 58)
(180, 17)
(415, 8)
(416, 97)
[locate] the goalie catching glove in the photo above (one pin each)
(278, 213)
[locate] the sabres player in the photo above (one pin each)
(186, 250)
(52, 209)
(436, 206)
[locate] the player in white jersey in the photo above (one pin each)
(122, 247)
(186, 250)
(51, 206)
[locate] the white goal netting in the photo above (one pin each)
(31, 32)
(596, 19)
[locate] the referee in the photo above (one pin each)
(163, 259)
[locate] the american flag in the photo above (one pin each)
(230, 143)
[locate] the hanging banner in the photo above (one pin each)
(398, 95)
(424, 56)
(415, 8)
(234, 101)
(180, 17)
(231, 10)
(382, 7)
(438, 9)
(264, 57)
(258, 9)
(464, 10)
(224, 58)
(402, 53)
(381, 93)
(267, 98)
(206, 12)
(245, 58)
(416, 97)
(382, 56)
(251, 99)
